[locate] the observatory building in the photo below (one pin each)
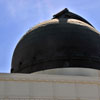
(58, 59)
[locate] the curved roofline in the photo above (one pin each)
(67, 14)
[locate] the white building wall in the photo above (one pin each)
(48, 87)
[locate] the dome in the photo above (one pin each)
(66, 41)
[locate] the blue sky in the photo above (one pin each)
(17, 16)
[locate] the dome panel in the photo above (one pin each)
(57, 43)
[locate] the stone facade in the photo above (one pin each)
(49, 87)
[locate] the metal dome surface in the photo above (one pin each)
(65, 41)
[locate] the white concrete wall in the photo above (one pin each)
(71, 72)
(48, 87)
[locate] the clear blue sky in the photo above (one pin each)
(17, 16)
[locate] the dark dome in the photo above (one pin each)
(66, 41)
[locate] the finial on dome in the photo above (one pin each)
(67, 14)
(61, 14)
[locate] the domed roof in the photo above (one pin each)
(65, 41)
